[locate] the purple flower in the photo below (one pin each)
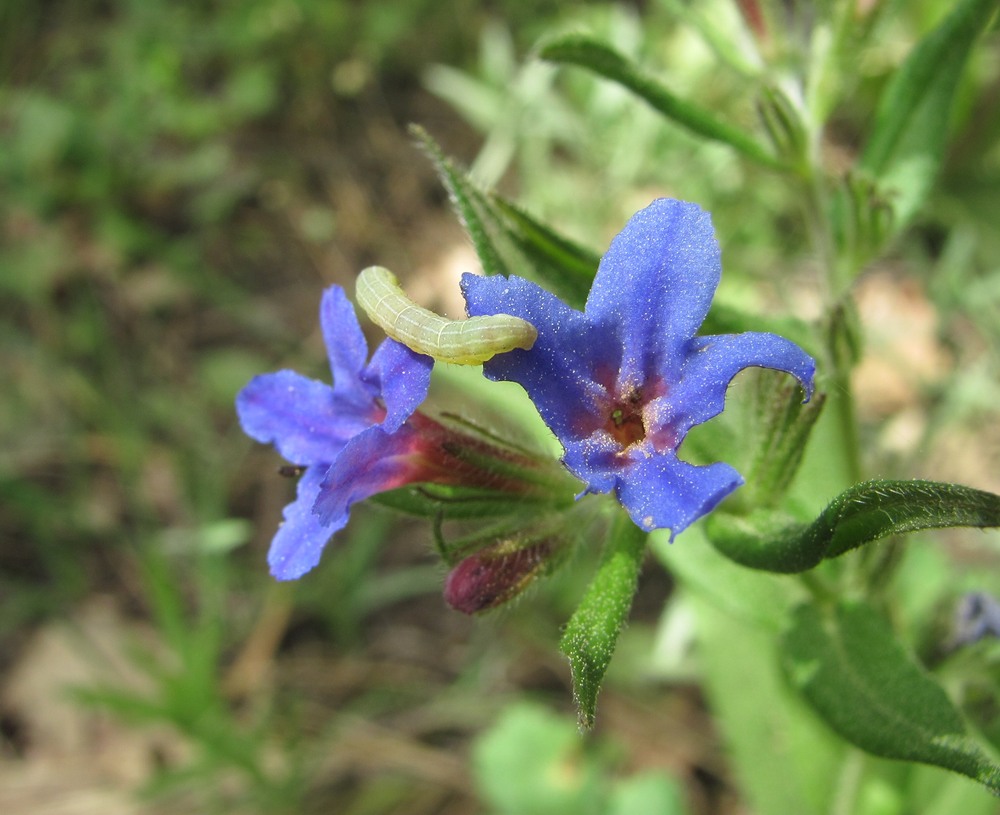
(357, 427)
(621, 383)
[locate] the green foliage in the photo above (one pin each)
(557, 771)
(590, 635)
(849, 665)
(907, 141)
(851, 217)
(863, 514)
(581, 50)
(165, 171)
(506, 237)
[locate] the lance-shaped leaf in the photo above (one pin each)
(560, 262)
(465, 197)
(586, 52)
(590, 636)
(506, 237)
(911, 122)
(773, 541)
(849, 665)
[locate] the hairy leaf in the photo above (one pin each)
(866, 512)
(850, 666)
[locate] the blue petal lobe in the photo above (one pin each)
(345, 343)
(595, 460)
(663, 492)
(655, 284)
(303, 418)
(403, 377)
(300, 539)
(371, 462)
(714, 360)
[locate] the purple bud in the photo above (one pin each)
(495, 575)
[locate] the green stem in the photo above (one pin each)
(846, 793)
(842, 402)
(817, 587)
(841, 397)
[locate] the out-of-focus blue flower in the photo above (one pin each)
(977, 616)
(621, 383)
(356, 427)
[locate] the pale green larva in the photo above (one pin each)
(463, 342)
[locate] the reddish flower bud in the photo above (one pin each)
(497, 574)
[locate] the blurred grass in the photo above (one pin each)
(177, 183)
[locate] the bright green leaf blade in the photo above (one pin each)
(782, 757)
(581, 50)
(850, 667)
(911, 122)
(590, 636)
(866, 512)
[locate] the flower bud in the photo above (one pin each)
(499, 573)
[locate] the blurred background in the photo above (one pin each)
(178, 183)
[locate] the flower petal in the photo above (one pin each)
(663, 492)
(715, 360)
(345, 342)
(561, 370)
(371, 462)
(299, 542)
(654, 286)
(595, 460)
(402, 376)
(303, 418)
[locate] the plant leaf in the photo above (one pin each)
(851, 668)
(911, 122)
(866, 512)
(464, 197)
(590, 636)
(562, 263)
(586, 52)
(506, 237)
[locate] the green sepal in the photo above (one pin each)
(456, 503)
(586, 52)
(783, 122)
(775, 542)
(862, 216)
(911, 122)
(531, 526)
(590, 636)
(784, 423)
(849, 665)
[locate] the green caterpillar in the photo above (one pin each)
(463, 342)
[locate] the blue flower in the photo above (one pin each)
(621, 383)
(358, 426)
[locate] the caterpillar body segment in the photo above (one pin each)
(462, 342)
